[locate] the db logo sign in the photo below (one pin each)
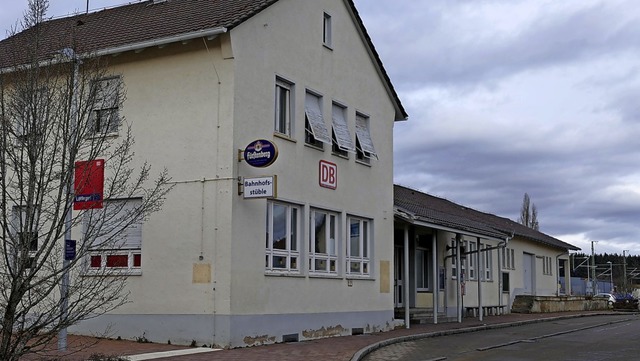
(328, 175)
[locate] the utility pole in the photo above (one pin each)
(593, 269)
(624, 269)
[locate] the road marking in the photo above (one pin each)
(534, 339)
(155, 355)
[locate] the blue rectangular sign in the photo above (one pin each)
(69, 249)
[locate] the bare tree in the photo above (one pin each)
(529, 213)
(55, 110)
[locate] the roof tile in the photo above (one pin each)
(446, 213)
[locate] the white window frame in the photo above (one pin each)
(487, 262)
(508, 258)
(547, 267)
(470, 260)
(364, 144)
(118, 246)
(342, 143)
(454, 266)
(422, 269)
(19, 224)
(327, 31)
(324, 262)
(359, 264)
(106, 106)
(289, 255)
(283, 107)
(316, 132)
(132, 267)
(26, 125)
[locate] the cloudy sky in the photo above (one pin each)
(507, 97)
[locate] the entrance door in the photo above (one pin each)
(398, 284)
(528, 274)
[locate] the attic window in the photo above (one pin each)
(326, 30)
(155, 2)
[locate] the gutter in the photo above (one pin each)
(208, 33)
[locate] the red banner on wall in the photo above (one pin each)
(89, 184)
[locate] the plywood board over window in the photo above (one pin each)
(202, 273)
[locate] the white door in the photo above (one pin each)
(397, 277)
(528, 270)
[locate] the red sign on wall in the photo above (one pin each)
(328, 175)
(89, 184)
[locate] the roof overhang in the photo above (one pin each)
(210, 34)
(206, 33)
(417, 221)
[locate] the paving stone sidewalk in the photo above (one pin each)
(328, 349)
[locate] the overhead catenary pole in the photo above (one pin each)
(624, 269)
(593, 269)
(610, 275)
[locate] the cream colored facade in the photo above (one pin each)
(193, 106)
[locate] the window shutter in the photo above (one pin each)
(341, 130)
(122, 227)
(364, 136)
(314, 115)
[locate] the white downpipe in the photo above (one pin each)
(458, 281)
(405, 281)
(479, 278)
(436, 285)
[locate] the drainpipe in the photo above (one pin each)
(502, 245)
(436, 285)
(405, 281)
(563, 276)
(458, 281)
(479, 278)
(500, 275)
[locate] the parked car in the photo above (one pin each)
(611, 299)
(625, 301)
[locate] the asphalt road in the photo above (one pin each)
(586, 338)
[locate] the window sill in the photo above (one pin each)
(340, 155)
(283, 274)
(332, 276)
(320, 149)
(112, 272)
(359, 278)
(361, 162)
(103, 135)
(284, 137)
(327, 46)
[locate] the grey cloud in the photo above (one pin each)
(437, 52)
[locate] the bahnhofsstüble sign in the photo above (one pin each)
(260, 187)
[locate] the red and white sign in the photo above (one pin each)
(89, 184)
(328, 175)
